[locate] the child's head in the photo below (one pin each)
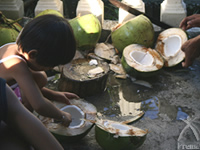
(52, 37)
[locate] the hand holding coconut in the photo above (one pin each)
(192, 50)
(63, 97)
(192, 46)
(66, 119)
(190, 21)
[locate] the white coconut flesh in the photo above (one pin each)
(120, 129)
(77, 115)
(142, 59)
(172, 45)
(87, 108)
(169, 44)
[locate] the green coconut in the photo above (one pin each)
(169, 44)
(9, 30)
(80, 111)
(112, 135)
(49, 11)
(87, 31)
(139, 61)
(138, 30)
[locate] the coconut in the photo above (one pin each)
(87, 31)
(139, 61)
(112, 135)
(169, 44)
(105, 51)
(138, 30)
(85, 77)
(49, 11)
(77, 114)
(80, 111)
(9, 30)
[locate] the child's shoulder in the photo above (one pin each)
(8, 44)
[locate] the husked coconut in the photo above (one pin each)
(112, 135)
(77, 115)
(169, 44)
(80, 111)
(138, 60)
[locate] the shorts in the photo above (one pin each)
(17, 92)
(3, 100)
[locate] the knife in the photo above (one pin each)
(137, 12)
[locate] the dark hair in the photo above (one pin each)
(53, 38)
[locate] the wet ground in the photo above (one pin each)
(167, 99)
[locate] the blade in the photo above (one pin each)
(137, 12)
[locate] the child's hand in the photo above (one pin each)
(66, 120)
(64, 97)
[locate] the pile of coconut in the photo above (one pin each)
(134, 51)
(140, 53)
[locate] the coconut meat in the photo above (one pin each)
(77, 115)
(142, 58)
(120, 129)
(117, 126)
(172, 45)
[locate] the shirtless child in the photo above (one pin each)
(45, 42)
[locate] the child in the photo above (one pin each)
(45, 42)
(31, 133)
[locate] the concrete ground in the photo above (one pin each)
(173, 99)
(170, 100)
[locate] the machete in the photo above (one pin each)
(137, 12)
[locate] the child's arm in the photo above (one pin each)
(63, 97)
(33, 95)
(28, 125)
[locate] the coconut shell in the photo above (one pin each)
(138, 30)
(9, 30)
(7, 35)
(134, 68)
(110, 139)
(87, 31)
(49, 11)
(178, 55)
(70, 135)
(83, 78)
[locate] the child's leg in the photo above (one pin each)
(30, 128)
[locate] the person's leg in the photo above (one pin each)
(26, 123)
(30, 128)
(9, 139)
